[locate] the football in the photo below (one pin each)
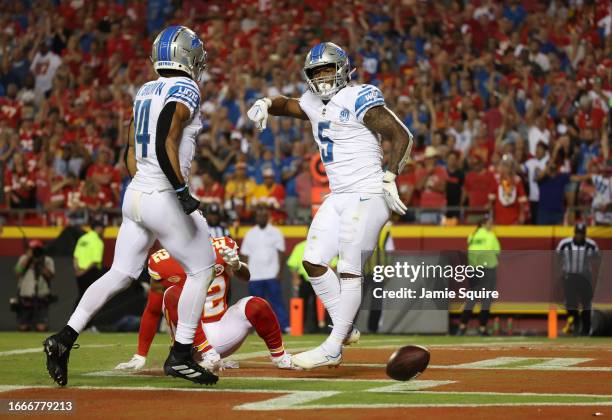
(407, 363)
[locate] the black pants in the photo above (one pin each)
(308, 295)
(84, 281)
(32, 313)
(579, 292)
(488, 282)
(533, 210)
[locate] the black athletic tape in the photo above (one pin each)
(163, 128)
(127, 147)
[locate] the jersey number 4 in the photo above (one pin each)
(141, 124)
(327, 145)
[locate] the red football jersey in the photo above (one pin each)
(167, 270)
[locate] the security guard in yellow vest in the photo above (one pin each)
(483, 250)
(379, 257)
(88, 255)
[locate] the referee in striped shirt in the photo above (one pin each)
(216, 227)
(579, 259)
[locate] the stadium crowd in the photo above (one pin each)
(509, 102)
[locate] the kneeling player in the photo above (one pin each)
(221, 330)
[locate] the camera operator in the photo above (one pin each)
(34, 273)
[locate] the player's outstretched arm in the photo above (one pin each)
(279, 105)
(170, 126)
(383, 121)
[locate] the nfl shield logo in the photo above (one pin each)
(344, 115)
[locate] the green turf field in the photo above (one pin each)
(359, 382)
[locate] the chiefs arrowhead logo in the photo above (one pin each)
(174, 279)
(219, 269)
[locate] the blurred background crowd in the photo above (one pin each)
(509, 103)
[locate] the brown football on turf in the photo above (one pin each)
(407, 363)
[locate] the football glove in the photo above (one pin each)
(188, 203)
(230, 256)
(258, 113)
(391, 195)
(136, 363)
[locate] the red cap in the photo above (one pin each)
(35, 243)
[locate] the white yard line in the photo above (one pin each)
(533, 367)
(262, 407)
(40, 349)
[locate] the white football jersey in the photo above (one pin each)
(350, 152)
(148, 105)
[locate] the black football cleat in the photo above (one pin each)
(57, 358)
(186, 368)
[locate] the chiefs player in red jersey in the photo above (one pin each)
(222, 329)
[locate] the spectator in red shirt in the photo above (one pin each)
(431, 182)
(406, 186)
(10, 107)
(479, 182)
(91, 196)
(105, 175)
(590, 120)
(20, 185)
(508, 195)
(272, 195)
(210, 191)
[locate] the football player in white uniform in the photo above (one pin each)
(157, 204)
(348, 121)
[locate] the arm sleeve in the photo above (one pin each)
(280, 242)
(294, 259)
(149, 322)
(187, 93)
(368, 97)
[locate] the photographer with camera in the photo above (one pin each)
(34, 272)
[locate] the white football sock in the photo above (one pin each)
(191, 305)
(96, 295)
(327, 288)
(350, 300)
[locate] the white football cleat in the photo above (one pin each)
(284, 362)
(352, 338)
(316, 358)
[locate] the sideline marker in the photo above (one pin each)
(296, 316)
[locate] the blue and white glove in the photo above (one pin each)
(258, 113)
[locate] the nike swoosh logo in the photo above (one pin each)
(328, 359)
(364, 199)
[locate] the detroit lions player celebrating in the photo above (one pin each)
(347, 121)
(157, 204)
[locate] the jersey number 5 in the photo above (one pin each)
(141, 124)
(327, 145)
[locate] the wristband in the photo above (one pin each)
(181, 189)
